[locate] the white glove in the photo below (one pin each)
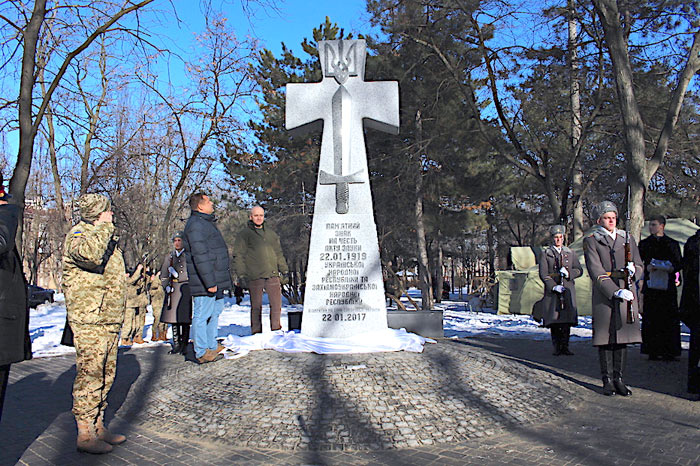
(149, 308)
(624, 294)
(564, 273)
(631, 268)
(168, 289)
(559, 288)
(173, 272)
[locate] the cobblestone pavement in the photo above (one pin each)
(469, 401)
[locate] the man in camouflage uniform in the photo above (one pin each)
(159, 330)
(136, 302)
(95, 288)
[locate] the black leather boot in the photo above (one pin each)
(177, 341)
(605, 356)
(556, 339)
(565, 335)
(184, 338)
(619, 362)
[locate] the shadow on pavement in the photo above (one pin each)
(32, 405)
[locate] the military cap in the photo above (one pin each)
(603, 208)
(557, 230)
(178, 234)
(92, 205)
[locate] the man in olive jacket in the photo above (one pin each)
(15, 345)
(261, 265)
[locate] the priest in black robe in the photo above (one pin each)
(661, 331)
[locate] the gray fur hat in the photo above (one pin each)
(603, 208)
(557, 230)
(178, 234)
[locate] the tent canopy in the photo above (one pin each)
(520, 289)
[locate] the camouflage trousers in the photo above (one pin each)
(96, 364)
(159, 328)
(133, 322)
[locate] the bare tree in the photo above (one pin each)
(617, 26)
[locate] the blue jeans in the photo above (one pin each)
(205, 323)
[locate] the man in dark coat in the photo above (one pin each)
(261, 266)
(690, 307)
(604, 251)
(178, 304)
(559, 267)
(15, 345)
(209, 275)
(661, 326)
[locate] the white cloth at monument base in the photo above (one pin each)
(292, 342)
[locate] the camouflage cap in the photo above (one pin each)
(178, 234)
(603, 208)
(92, 205)
(557, 230)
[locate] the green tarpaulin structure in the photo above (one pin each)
(519, 289)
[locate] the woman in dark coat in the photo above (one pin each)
(177, 308)
(15, 345)
(690, 307)
(605, 260)
(661, 326)
(559, 267)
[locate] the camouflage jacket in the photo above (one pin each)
(95, 292)
(136, 290)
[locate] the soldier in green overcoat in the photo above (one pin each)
(95, 292)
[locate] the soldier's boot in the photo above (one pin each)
(605, 356)
(125, 342)
(619, 362)
(138, 339)
(556, 340)
(106, 436)
(566, 334)
(184, 338)
(88, 442)
(177, 341)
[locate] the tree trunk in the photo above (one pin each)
(576, 124)
(27, 131)
(425, 282)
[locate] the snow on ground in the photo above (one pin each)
(47, 321)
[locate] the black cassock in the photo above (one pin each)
(661, 332)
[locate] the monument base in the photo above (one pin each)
(294, 320)
(427, 324)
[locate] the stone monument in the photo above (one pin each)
(344, 293)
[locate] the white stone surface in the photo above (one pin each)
(344, 290)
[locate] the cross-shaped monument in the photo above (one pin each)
(344, 293)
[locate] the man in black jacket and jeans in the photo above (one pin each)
(15, 345)
(209, 276)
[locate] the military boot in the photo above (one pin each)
(88, 442)
(105, 435)
(177, 340)
(556, 340)
(619, 362)
(565, 336)
(184, 338)
(606, 363)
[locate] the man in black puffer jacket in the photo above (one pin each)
(209, 276)
(15, 345)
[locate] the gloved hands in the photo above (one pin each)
(630, 267)
(559, 288)
(173, 272)
(168, 289)
(284, 278)
(625, 295)
(564, 273)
